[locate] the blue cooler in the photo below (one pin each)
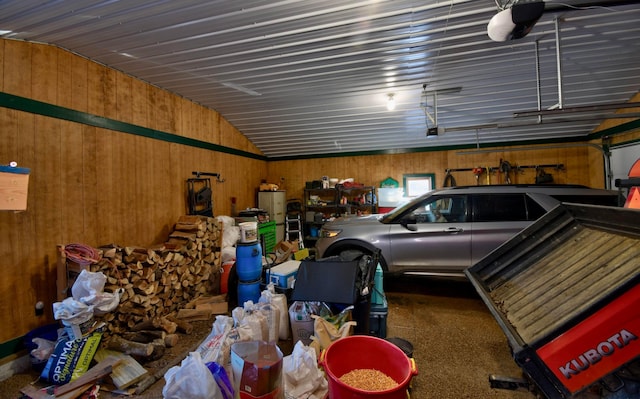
(284, 274)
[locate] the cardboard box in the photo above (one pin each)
(14, 187)
(284, 274)
(284, 249)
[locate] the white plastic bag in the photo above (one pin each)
(280, 302)
(87, 286)
(302, 377)
(191, 380)
(272, 315)
(249, 321)
(214, 347)
(89, 290)
(72, 311)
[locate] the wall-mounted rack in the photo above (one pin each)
(504, 168)
(557, 167)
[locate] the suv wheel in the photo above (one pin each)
(349, 254)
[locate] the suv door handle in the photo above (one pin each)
(453, 230)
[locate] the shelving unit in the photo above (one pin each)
(358, 200)
(318, 201)
(335, 202)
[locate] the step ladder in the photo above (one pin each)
(293, 225)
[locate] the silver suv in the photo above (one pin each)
(447, 230)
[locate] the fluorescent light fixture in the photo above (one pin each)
(241, 88)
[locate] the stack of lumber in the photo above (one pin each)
(157, 282)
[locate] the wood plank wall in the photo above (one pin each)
(97, 186)
(371, 170)
(93, 185)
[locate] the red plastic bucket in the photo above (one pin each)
(366, 352)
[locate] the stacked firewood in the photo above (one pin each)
(157, 282)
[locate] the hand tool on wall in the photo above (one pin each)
(199, 194)
(505, 167)
(478, 172)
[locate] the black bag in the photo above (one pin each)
(543, 177)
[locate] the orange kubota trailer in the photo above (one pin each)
(566, 293)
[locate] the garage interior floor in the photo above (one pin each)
(456, 342)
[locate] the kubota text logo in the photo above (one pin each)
(593, 356)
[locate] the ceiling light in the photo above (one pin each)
(391, 103)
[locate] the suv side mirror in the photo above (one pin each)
(409, 223)
(411, 227)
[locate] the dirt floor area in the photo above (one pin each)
(456, 344)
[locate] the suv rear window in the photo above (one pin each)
(505, 208)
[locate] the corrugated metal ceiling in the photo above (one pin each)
(303, 77)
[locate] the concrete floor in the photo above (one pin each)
(456, 342)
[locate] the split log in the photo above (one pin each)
(129, 347)
(214, 308)
(167, 325)
(206, 299)
(194, 314)
(156, 323)
(171, 340)
(183, 325)
(144, 336)
(184, 235)
(159, 348)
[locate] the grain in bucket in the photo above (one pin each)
(362, 352)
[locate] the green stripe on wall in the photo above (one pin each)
(612, 131)
(12, 347)
(54, 111)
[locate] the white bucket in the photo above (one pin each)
(248, 232)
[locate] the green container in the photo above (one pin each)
(377, 296)
(267, 232)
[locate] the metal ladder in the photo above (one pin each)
(292, 225)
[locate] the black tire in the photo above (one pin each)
(352, 253)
